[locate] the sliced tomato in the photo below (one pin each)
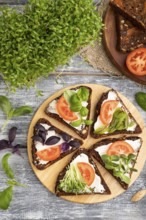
(120, 147)
(136, 62)
(50, 154)
(107, 110)
(64, 110)
(87, 172)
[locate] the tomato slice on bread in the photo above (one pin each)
(107, 110)
(136, 62)
(52, 153)
(64, 110)
(87, 172)
(120, 147)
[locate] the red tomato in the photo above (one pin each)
(87, 172)
(106, 111)
(120, 147)
(136, 62)
(50, 154)
(64, 110)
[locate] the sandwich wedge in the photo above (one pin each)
(118, 157)
(112, 117)
(80, 177)
(72, 108)
(50, 144)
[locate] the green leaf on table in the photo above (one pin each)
(5, 106)
(6, 167)
(15, 183)
(23, 110)
(6, 197)
(141, 99)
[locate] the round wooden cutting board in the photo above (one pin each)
(49, 175)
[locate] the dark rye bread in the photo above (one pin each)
(63, 172)
(35, 159)
(84, 132)
(133, 10)
(97, 113)
(96, 155)
(129, 37)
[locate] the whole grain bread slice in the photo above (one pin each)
(129, 37)
(134, 11)
(104, 142)
(83, 133)
(137, 129)
(36, 160)
(63, 172)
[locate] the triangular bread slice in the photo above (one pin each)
(68, 107)
(81, 176)
(50, 144)
(121, 166)
(112, 117)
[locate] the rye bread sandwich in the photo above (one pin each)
(80, 177)
(72, 108)
(129, 37)
(50, 144)
(134, 11)
(118, 157)
(112, 117)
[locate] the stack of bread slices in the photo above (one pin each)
(131, 23)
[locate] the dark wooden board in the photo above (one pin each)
(110, 43)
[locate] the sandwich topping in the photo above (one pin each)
(50, 145)
(120, 157)
(113, 116)
(81, 178)
(72, 107)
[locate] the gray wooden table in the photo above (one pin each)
(35, 201)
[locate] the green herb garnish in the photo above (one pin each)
(120, 121)
(10, 112)
(45, 34)
(75, 100)
(73, 181)
(121, 165)
(141, 99)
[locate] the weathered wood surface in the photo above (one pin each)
(35, 201)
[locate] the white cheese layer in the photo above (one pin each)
(135, 144)
(113, 96)
(96, 185)
(52, 108)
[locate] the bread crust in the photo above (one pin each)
(58, 118)
(62, 174)
(96, 155)
(134, 11)
(34, 150)
(97, 113)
